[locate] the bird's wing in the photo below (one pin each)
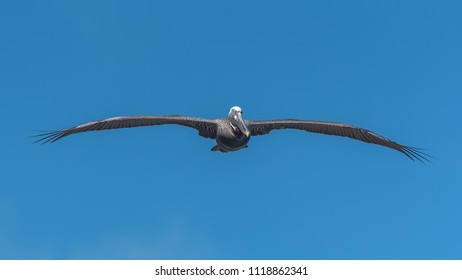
(206, 127)
(332, 128)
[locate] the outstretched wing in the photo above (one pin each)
(206, 127)
(332, 128)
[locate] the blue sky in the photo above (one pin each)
(393, 67)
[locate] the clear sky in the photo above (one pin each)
(394, 67)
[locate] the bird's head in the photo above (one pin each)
(235, 110)
(235, 116)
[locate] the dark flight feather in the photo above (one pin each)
(333, 128)
(206, 127)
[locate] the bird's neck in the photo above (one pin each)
(237, 132)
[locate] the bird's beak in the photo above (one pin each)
(240, 123)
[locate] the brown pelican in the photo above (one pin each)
(233, 133)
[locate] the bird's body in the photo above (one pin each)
(233, 133)
(229, 138)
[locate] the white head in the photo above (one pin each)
(234, 111)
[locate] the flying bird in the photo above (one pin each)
(233, 133)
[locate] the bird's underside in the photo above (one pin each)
(233, 133)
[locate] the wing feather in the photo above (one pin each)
(333, 128)
(206, 127)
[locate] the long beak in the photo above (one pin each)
(241, 125)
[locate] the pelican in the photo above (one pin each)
(233, 133)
